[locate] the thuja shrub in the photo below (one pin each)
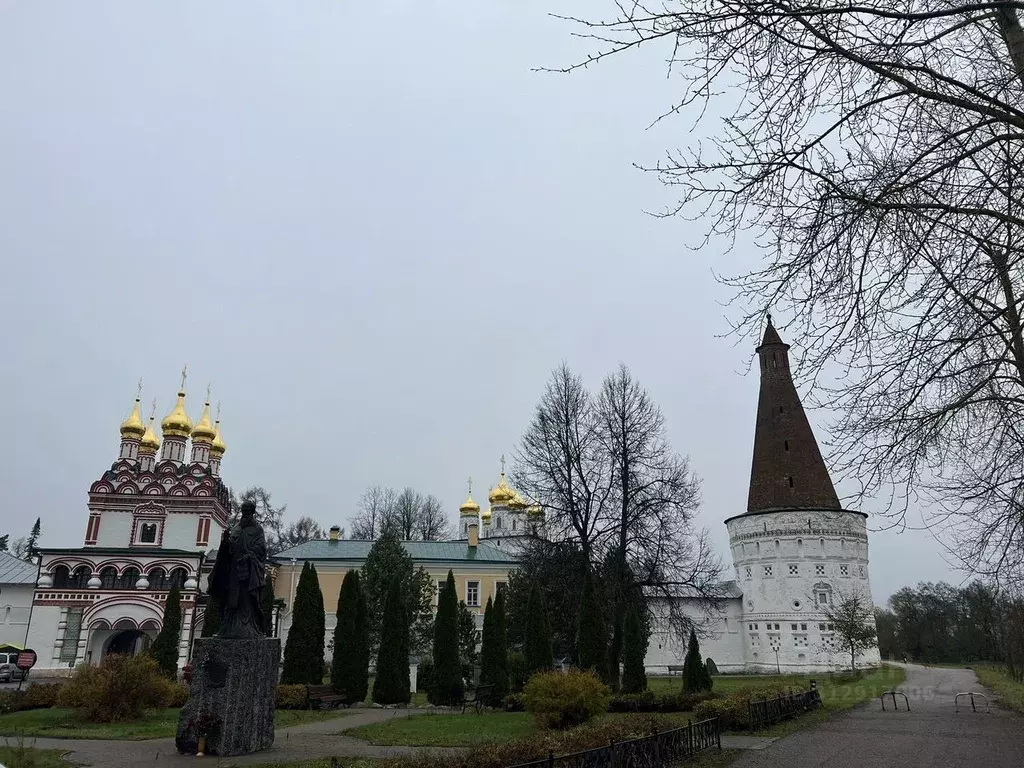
(565, 699)
(120, 689)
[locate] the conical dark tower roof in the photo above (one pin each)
(787, 470)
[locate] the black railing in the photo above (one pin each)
(654, 751)
(783, 706)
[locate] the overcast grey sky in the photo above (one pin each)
(370, 225)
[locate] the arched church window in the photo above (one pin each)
(178, 576)
(497, 523)
(61, 577)
(157, 579)
(108, 577)
(128, 578)
(148, 533)
(80, 578)
(513, 525)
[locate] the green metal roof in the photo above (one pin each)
(419, 551)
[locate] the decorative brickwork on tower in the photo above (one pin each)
(787, 469)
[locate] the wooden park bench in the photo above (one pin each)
(674, 669)
(324, 696)
(477, 698)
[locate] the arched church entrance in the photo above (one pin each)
(127, 641)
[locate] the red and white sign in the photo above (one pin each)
(26, 659)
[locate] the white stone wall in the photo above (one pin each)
(115, 529)
(720, 634)
(15, 608)
(42, 636)
(788, 565)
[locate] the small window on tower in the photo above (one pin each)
(748, 572)
(148, 534)
(782, 409)
(793, 627)
(794, 569)
(819, 569)
(769, 571)
(790, 481)
(844, 570)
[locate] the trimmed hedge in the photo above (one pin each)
(652, 702)
(36, 696)
(291, 696)
(538, 745)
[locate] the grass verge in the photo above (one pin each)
(59, 723)
(26, 757)
(999, 680)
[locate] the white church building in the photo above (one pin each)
(152, 521)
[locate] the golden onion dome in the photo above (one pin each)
(485, 516)
(218, 446)
(204, 431)
(535, 510)
(502, 493)
(177, 423)
(150, 442)
(133, 427)
(517, 501)
(469, 508)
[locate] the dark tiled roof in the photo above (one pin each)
(787, 470)
(419, 551)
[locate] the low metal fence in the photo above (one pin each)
(654, 751)
(783, 706)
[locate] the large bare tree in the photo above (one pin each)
(610, 484)
(872, 151)
(376, 508)
(432, 523)
(561, 465)
(653, 541)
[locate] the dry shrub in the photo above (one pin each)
(177, 694)
(565, 699)
(732, 708)
(120, 689)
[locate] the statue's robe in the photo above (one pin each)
(237, 581)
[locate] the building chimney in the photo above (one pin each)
(474, 534)
(335, 532)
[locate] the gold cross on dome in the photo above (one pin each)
(138, 392)
(152, 413)
(471, 486)
(503, 463)
(208, 393)
(184, 376)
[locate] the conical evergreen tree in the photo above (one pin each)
(349, 672)
(446, 683)
(634, 649)
(695, 675)
(268, 607)
(304, 649)
(500, 639)
(211, 617)
(391, 685)
(537, 646)
(592, 637)
(488, 665)
(361, 646)
(165, 646)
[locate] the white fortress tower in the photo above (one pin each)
(796, 551)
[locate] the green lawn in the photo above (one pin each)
(997, 678)
(156, 724)
(447, 730)
(19, 757)
(727, 683)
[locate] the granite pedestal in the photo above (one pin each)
(233, 686)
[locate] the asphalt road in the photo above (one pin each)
(931, 735)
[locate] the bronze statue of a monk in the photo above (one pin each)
(238, 577)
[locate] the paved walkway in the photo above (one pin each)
(300, 742)
(931, 735)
